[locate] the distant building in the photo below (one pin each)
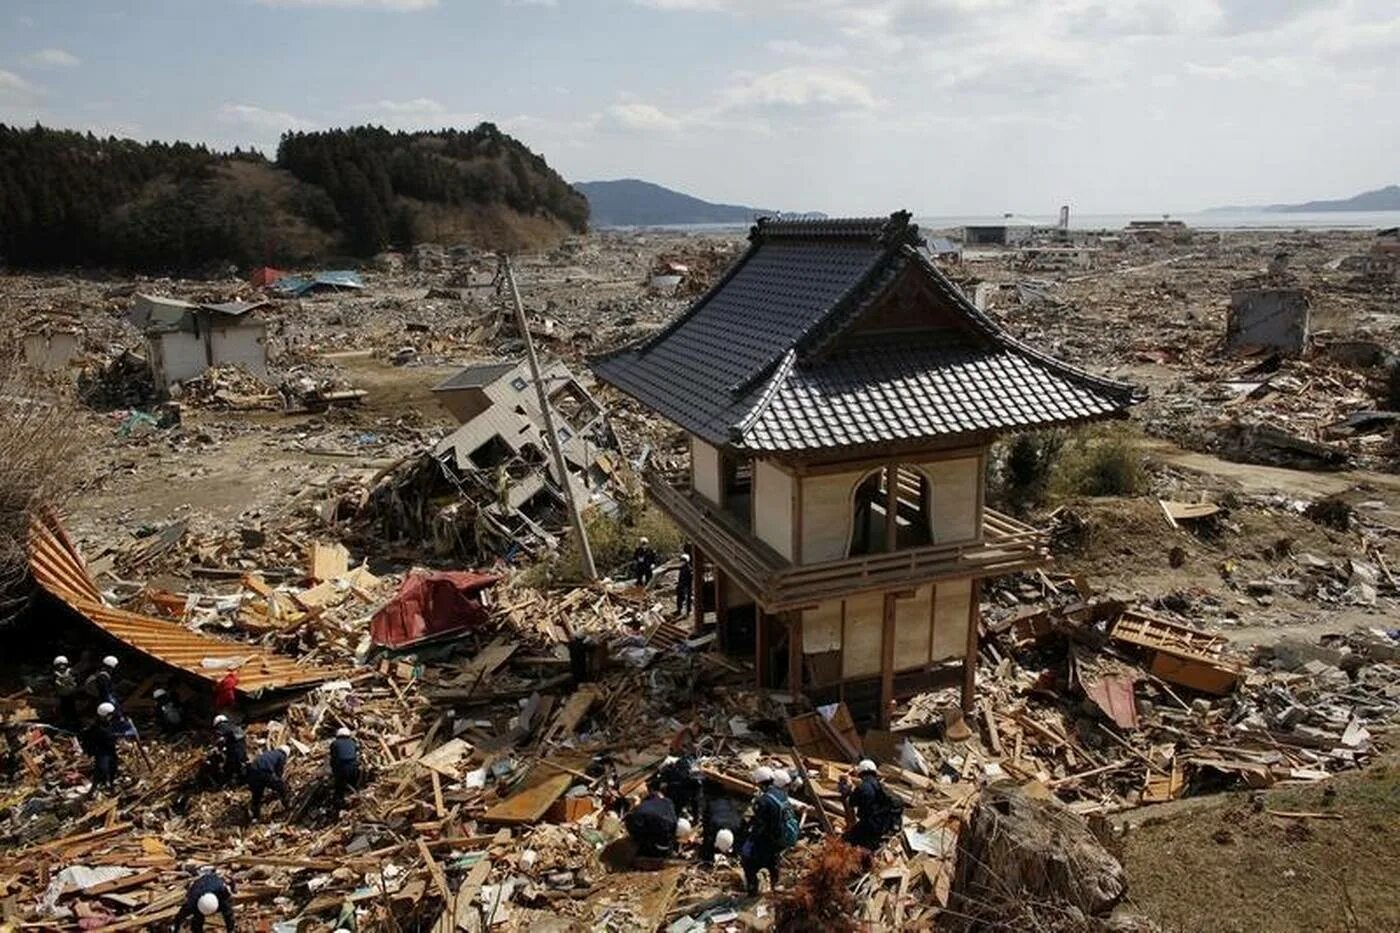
(502, 427)
(944, 250)
(184, 339)
(1012, 231)
(1057, 258)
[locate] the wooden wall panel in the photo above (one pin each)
(952, 602)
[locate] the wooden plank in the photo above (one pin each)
(435, 870)
(438, 806)
(529, 805)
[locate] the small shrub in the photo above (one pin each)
(1102, 462)
(1027, 468)
(612, 538)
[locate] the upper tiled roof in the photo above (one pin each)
(764, 360)
(475, 375)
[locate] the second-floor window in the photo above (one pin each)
(893, 510)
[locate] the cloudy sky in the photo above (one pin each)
(845, 106)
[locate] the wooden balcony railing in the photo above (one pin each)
(1007, 545)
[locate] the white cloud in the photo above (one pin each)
(800, 86)
(260, 118)
(637, 117)
(417, 106)
(54, 58)
(396, 6)
(793, 48)
(16, 90)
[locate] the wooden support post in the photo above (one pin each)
(697, 587)
(721, 609)
(974, 615)
(887, 663)
(761, 665)
(794, 684)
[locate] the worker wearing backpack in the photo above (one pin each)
(769, 832)
(872, 814)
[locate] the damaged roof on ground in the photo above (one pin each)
(788, 352)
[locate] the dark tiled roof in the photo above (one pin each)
(763, 361)
(475, 376)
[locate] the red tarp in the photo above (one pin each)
(265, 276)
(429, 604)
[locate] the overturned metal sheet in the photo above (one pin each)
(57, 566)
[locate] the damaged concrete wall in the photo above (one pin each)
(1277, 318)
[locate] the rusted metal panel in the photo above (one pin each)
(58, 567)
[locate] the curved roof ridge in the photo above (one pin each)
(890, 230)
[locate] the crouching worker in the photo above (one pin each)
(265, 774)
(765, 841)
(232, 746)
(721, 828)
(652, 824)
(345, 765)
(872, 814)
(207, 896)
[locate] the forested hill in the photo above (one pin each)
(69, 199)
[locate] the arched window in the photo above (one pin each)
(876, 527)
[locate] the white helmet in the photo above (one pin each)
(724, 840)
(344, 732)
(867, 766)
(286, 750)
(683, 829)
(60, 661)
(762, 774)
(110, 662)
(208, 903)
(685, 557)
(643, 540)
(781, 777)
(668, 761)
(220, 719)
(160, 692)
(105, 709)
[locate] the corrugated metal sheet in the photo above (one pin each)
(57, 566)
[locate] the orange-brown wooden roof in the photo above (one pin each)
(58, 567)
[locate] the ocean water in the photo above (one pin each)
(1201, 220)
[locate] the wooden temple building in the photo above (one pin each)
(839, 395)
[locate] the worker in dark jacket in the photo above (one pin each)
(65, 688)
(685, 583)
(101, 685)
(265, 774)
(871, 813)
(764, 843)
(345, 765)
(170, 712)
(233, 748)
(207, 896)
(652, 824)
(99, 741)
(684, 784)
(643, 562)
(720, 829)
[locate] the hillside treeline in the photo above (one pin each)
(74, 199)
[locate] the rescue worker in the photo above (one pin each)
(345, 765)
(264, 774)
(685, 583)
(684, 784)
(65, 687)
(720, 828)
(207, 896)
(99, 741)
(871, 813)
(100, 683)
(170, 712)
(643, 562)
(233, 746)
(652, 824)
(764, 843)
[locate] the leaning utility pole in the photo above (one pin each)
(575, 516)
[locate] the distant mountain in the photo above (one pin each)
(630, 202)
(1382, 199)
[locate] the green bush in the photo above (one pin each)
(1101, 462)
(612, 539)
(1025, 468)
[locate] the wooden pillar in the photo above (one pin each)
(974, 616)
(795, 653)
(887, 663)
(760, 647)
(721, 609)
(697, 587)
(891, 507)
